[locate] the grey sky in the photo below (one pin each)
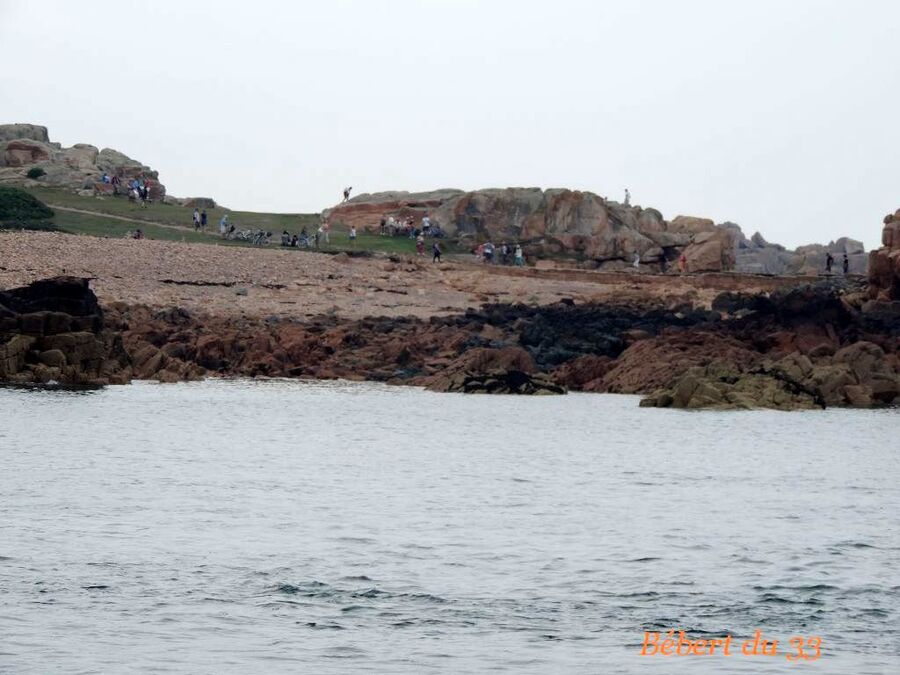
(780, 116)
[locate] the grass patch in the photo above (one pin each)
(170, 214)
(97, 224)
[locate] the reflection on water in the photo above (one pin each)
(330, 527)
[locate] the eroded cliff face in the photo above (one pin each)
(80, 168)
(808, 346)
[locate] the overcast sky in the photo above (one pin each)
(783, 117)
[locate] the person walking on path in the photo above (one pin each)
(436, 252)
(196, 219)
(203, 220)
(519, 257)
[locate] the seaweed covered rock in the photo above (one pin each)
(498, 381)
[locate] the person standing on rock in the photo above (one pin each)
(420, 245)
(520, 258)
(347, 193)
(436, 252)
(845, 264)
(627, 197)
(637, 260)
(829, 262)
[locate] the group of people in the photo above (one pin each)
(507, 253)
(138, 189)
(200, 220)
(406, 227)
(321, 235)
(829, 263)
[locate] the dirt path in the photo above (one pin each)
(139, 221)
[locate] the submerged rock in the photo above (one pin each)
(498, 382)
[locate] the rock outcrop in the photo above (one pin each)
(757, 256)
(586, 226)
(53, 331)
(884, 263)
(592, 230)
(80, 168)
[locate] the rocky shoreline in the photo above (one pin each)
(811, 346)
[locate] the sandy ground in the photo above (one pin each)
(300, 284)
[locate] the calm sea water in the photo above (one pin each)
(267, 527)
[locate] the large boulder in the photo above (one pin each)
(25, 152)
(15, 132)
(884, 263)
(710, 251)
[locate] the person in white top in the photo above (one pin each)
(627, 197)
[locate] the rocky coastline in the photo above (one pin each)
(809, 346)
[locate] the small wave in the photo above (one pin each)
(371, 593)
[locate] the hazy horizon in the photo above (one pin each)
(778, 117)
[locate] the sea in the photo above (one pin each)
(242, 526)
